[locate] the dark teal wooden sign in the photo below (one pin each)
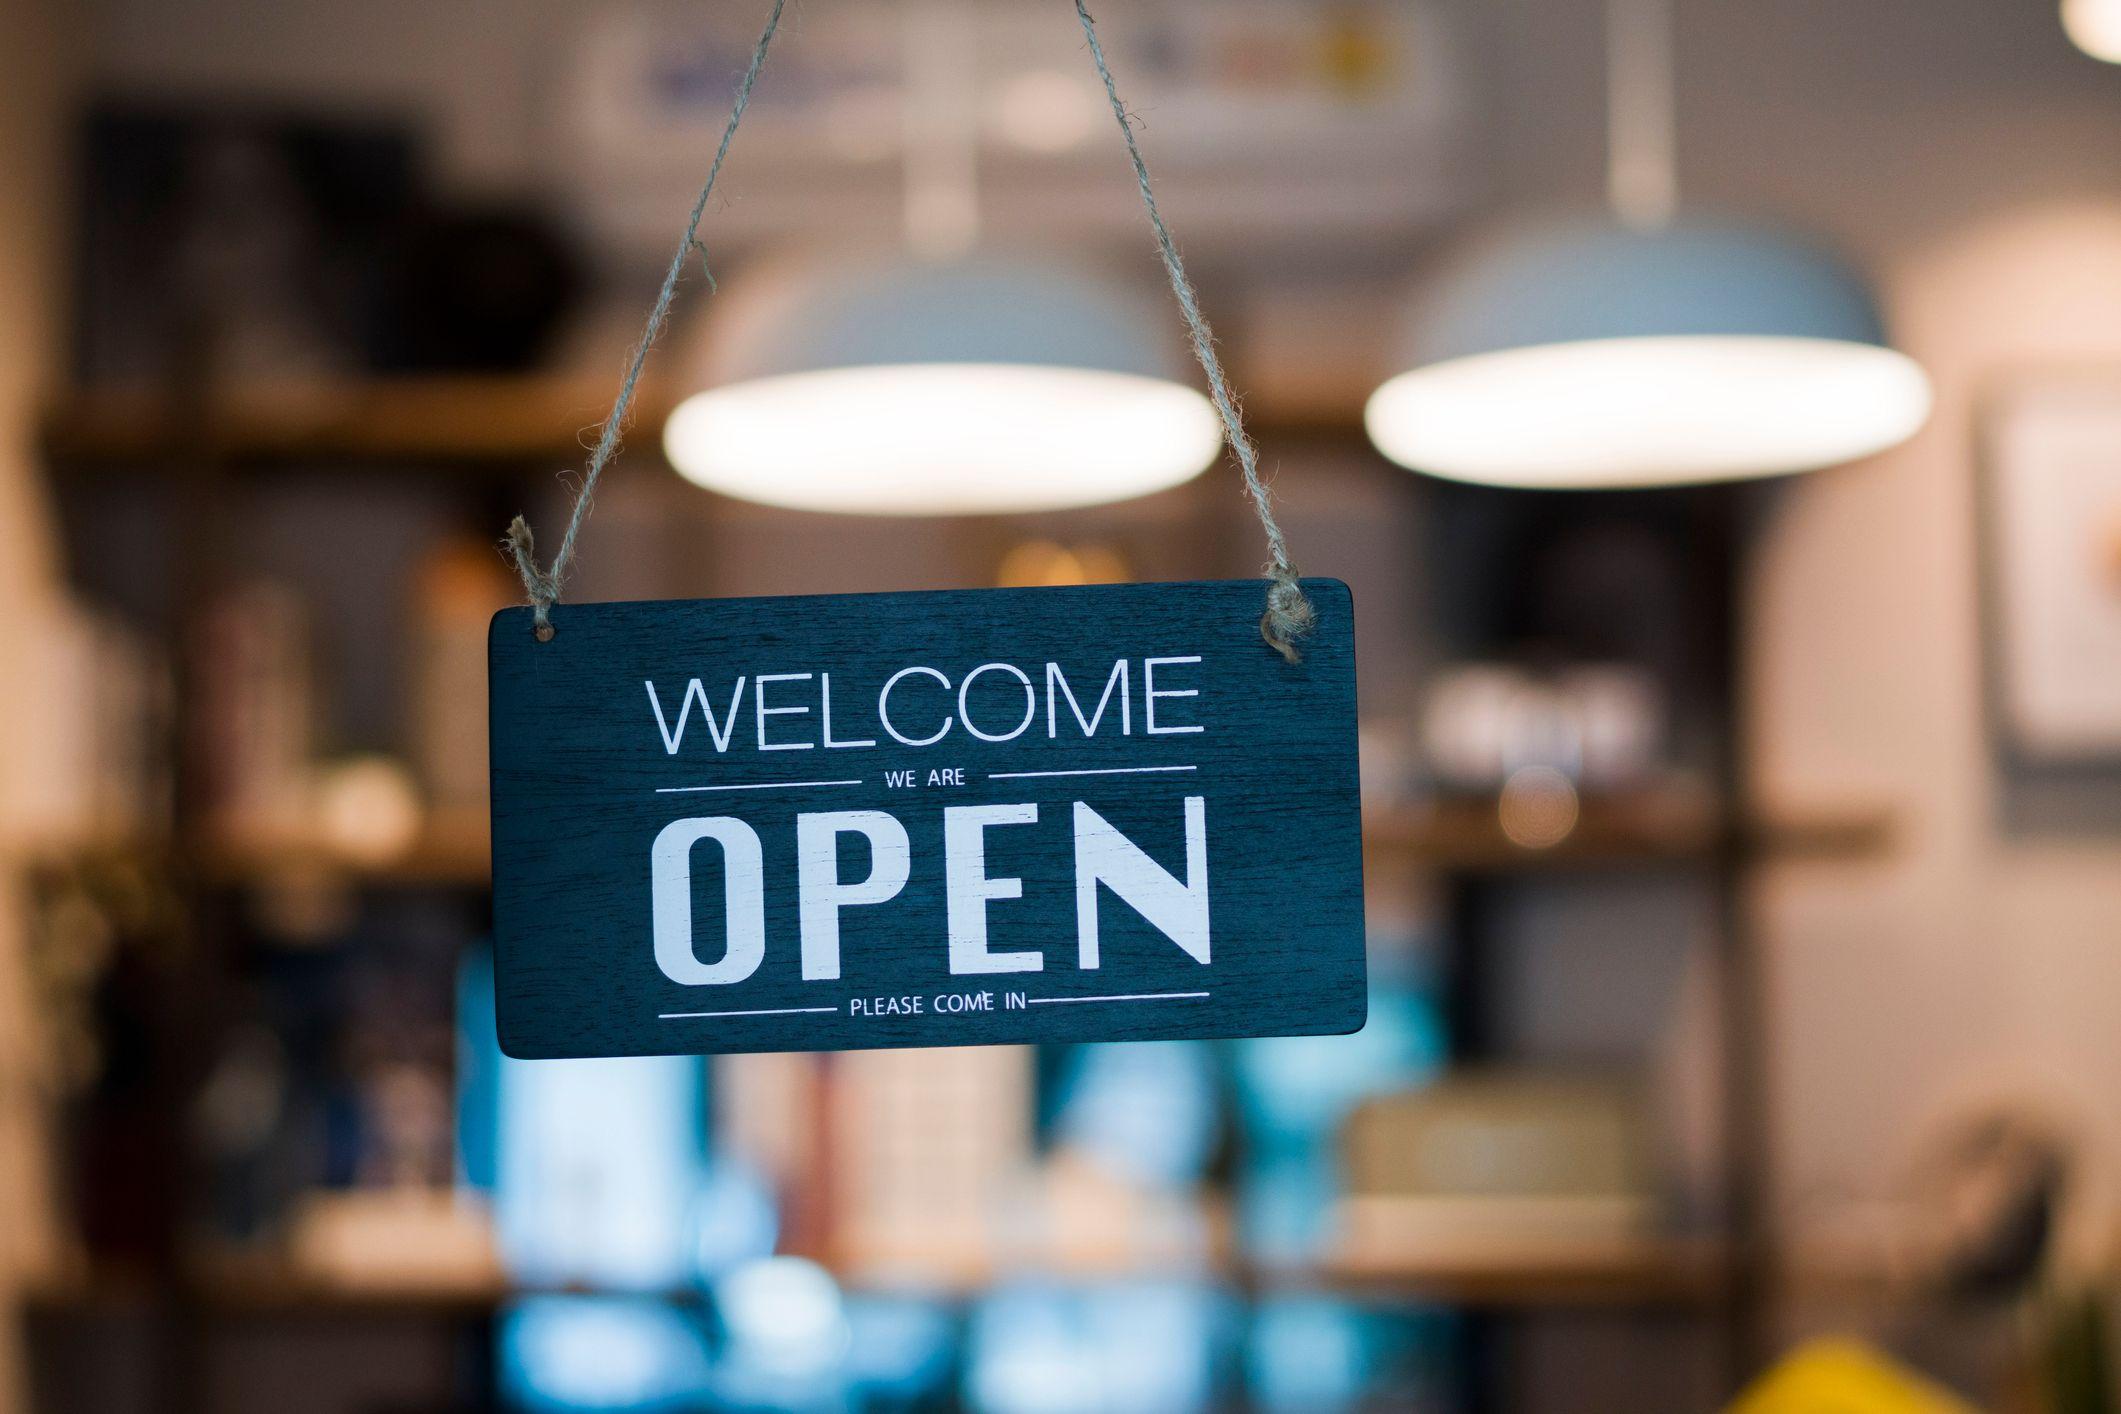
(1098, 813)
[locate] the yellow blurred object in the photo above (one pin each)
(368, 809)
(2094, 26)
(1358, 54)
(458, 586)
(1043, 564)
(1538, 808)
(1839, 1376)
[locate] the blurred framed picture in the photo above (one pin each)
(2051, 519)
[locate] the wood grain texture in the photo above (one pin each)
(585, 778)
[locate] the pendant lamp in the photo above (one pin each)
(1642, 350)
(965, 386)
(2094, 26)
(939, 382)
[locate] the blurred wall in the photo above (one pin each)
(1964, 153)
(1983, 966)
(1967, 153)
(36, 49)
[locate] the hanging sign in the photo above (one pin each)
(1095, 813)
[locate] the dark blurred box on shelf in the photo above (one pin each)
(230, 243)
(220, 243)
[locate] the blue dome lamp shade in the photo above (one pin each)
(1597, 356)
(1640, 351)
(959, 386)
(940, 382)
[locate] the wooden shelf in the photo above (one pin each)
(443, 420)
(1462, 835)
(466, 421)
(449, 852)
(1653, 1275)
(1639, 831)
(1648, 1273)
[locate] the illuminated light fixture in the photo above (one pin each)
(2095, 27)
(1596, 356)
(1640, 351)
(939, 387)
(939, 383)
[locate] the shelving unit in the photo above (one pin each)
(470, 425)
(494, 433)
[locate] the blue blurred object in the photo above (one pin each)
(478, 1072)
(1145, 1110)
(734, 1219)
(1151, 1347)
(784, 1339)
(599, 1163)
(1295, 1091)
(1307, 1355)
(902, 1351)
(783, 1314)
(1023, 1355)
(1311, 1354)
(599, 1178)
(588, 1355)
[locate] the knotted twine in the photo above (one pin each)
(1289, 615)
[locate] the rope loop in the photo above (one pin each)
(1289, 614)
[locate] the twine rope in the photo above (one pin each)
(1289, 615)
(543, 586)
